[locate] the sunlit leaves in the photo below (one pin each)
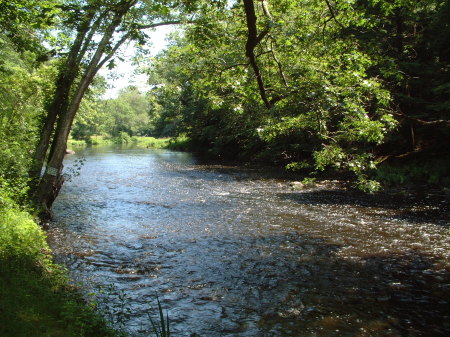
(23, 92)
(331, 65)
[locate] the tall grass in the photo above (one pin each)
(161, 325)
(36, 297)
(151, 142)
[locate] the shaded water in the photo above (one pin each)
(231, 253)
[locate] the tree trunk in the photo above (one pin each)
(52, 181)
(67, 74)
(64, 107)
(252, 41)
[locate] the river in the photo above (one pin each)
(233, 252)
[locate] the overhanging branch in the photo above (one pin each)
(127, 36)
(252, 41)
(333, 15)
(421, 121)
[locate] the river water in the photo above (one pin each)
(233, 252)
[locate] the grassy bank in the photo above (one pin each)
(148, 142)
(35, 296)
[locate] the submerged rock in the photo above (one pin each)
(297, 185)
(300, 185)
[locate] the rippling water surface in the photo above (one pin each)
(230, 253)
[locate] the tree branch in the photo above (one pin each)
(252, 41)
(88, 39)
(231, 67)
(165, 23)
(280, 68)
(266, 10)
(126, 36)
(421, 121)
(333, 15)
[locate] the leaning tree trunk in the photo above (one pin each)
(253, 39)
(67, 75)
(52, 181)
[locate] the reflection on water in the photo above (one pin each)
(232, 254)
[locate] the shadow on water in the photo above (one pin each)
(389, 295)
(277, 285)
(413, 208)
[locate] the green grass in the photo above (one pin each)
(75, 143)
(92, 140)
(99, 140)
(151, 142)
(148, 142)
(35, 296)
(180, 143)
(161, 325)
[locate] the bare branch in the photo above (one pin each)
(266, 10)
(165, 23)
(261, 36)
(421, 121)
(235, 66)
(113, 51)
(231, 67)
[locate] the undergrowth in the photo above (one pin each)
(430, 171)
(122, 139)
(35, 296)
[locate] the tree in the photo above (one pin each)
(26, 80)
(410, 40)
(281, 82)
(127, 113)
(91, 116)
(101, 27)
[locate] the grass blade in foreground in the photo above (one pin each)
(161, 328)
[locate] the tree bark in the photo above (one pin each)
(52, 181)
(67, 74)
(252, 41)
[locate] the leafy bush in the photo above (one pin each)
(35, 296)
(122, 138)
(20, 236)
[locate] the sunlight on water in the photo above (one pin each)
(229, 252)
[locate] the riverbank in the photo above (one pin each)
(406, 175)
(147, 142)
(36, 298)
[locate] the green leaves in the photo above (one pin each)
(331, 70)
(329, 155)
(123, 117)
(20, 236)
(24, 88)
